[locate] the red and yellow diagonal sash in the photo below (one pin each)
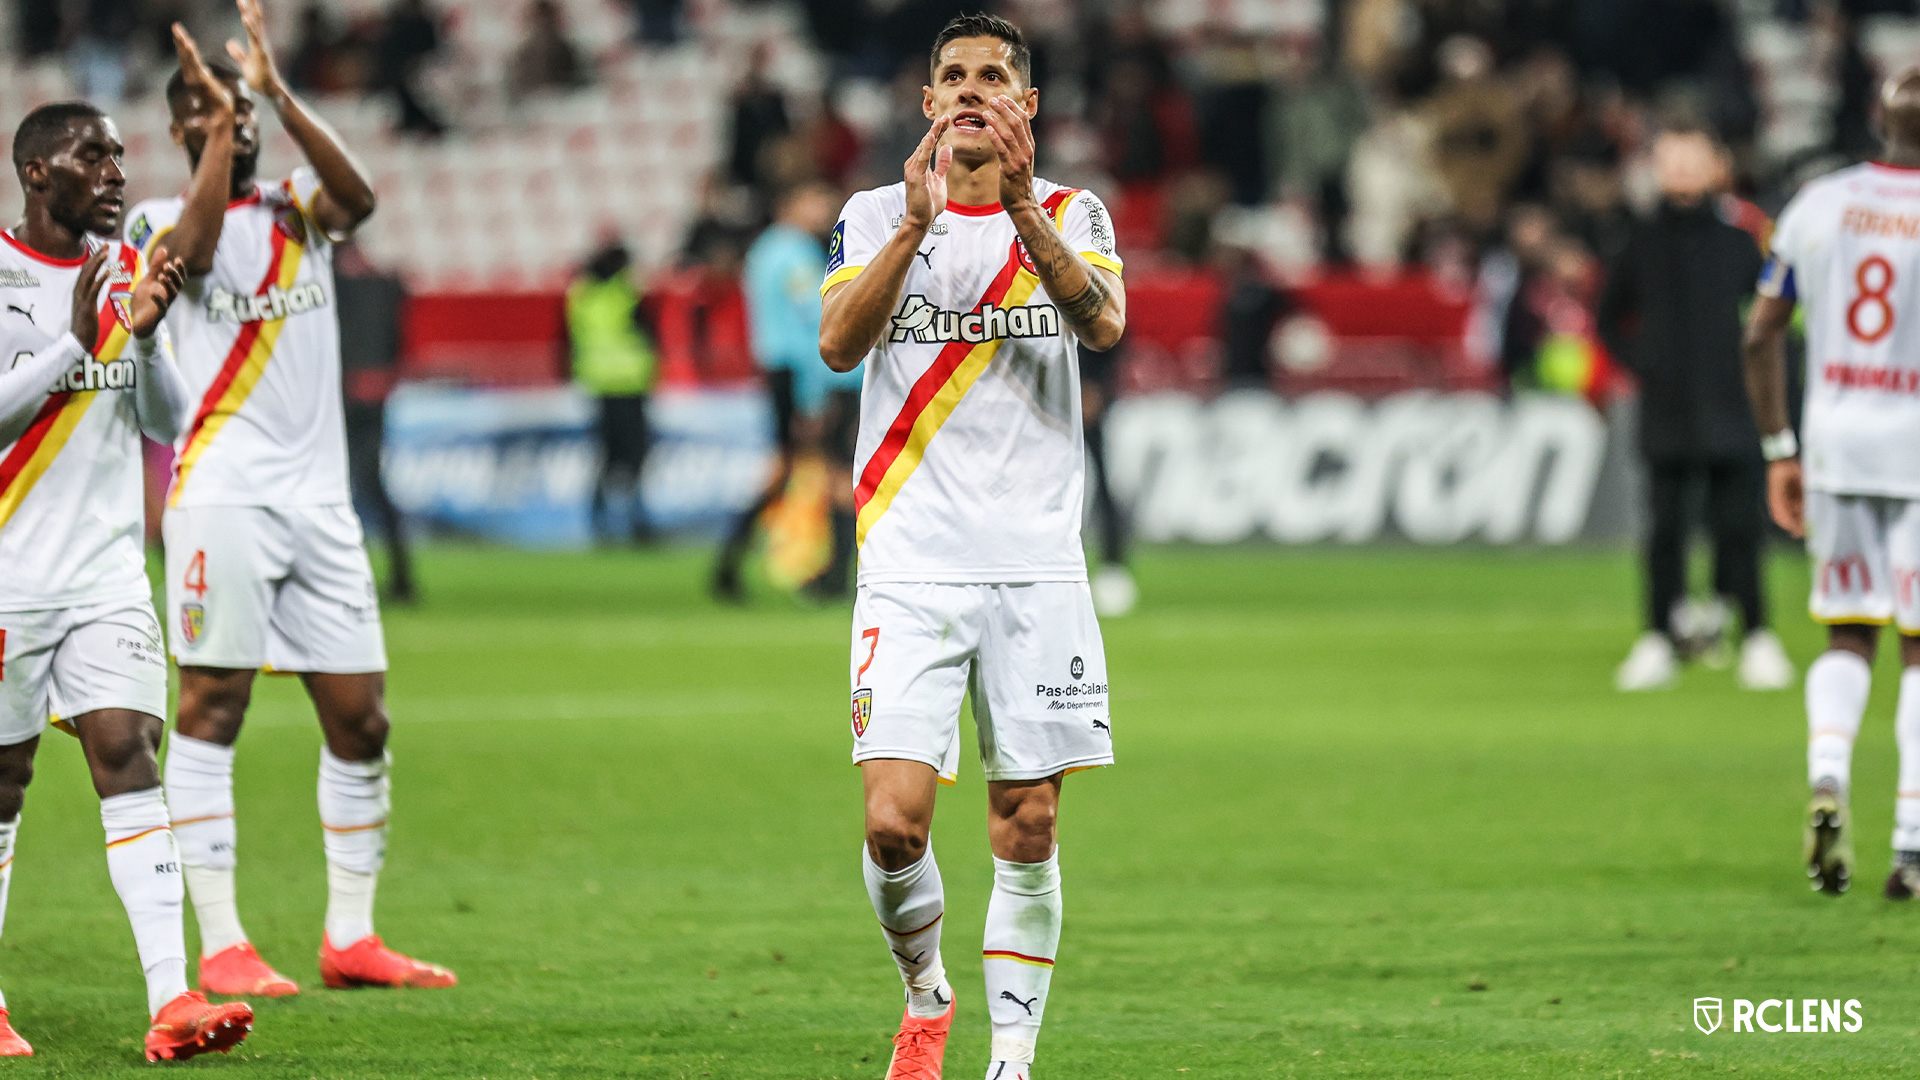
(241, 370)
(932, 400)
(34, 452)
(939, 390)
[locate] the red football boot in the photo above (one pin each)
(190, 1025)
(11, 1044)
(368, 962)
(238, 969)
(920, 1047)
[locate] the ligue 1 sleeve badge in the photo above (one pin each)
(862, 710)
(193, 622)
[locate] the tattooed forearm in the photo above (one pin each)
(1057, 266)
(1083, 307)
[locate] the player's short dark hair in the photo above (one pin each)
(177, 91)
(983, 25)
(43, 130)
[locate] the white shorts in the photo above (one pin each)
(1866, 552)
(1031, 654)
(72, 661)
(288, 588)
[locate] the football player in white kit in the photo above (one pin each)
(265, 565)
(78, 639)
(1847, 249)
(966, 290)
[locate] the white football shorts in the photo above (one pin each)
(1031, 654)
(287, 588)
(1866, 559)
(68, 662)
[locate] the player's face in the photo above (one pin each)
(81, 183)
(971, 72)
(190, 128)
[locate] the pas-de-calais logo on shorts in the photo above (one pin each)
(1806, 1016)
(862, 710)
(1078, 668)
(193, 622)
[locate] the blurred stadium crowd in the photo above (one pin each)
(1436, 184)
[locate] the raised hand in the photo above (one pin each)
(154, 295)
(927, 177)
(193, 68)
(86, 298)
(1012, 134)
(256, 59)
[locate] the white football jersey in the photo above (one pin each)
(72, 497)
(969, 466)
(258, 342)
(1847, 247)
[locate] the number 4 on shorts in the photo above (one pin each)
(195, 580)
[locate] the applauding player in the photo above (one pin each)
(966, 289)
(264, 558)
(78, 639)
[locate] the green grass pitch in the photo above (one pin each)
(1378, 813)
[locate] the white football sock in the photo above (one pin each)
(1906, 726)
(354, 800)
(145, 868)
(1023, 934)
(200, 797)
(910, 904)
(1837, 685)
(8, 830)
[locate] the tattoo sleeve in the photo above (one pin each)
(1055, 263)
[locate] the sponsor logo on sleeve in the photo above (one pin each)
(837, 247)
(140, 232)
(1097, 222)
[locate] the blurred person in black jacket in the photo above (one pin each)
(1672, 312)
(370, 302)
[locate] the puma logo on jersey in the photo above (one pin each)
(925, 323)
(275, 303)
(25, 312)
(91, 374)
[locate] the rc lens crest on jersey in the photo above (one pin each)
(862, 710)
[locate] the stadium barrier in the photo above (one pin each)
(517, 465)
(1427, 467)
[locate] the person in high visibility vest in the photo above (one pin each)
(614, 361)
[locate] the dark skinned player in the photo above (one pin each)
(78, 637)
(265, 561)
